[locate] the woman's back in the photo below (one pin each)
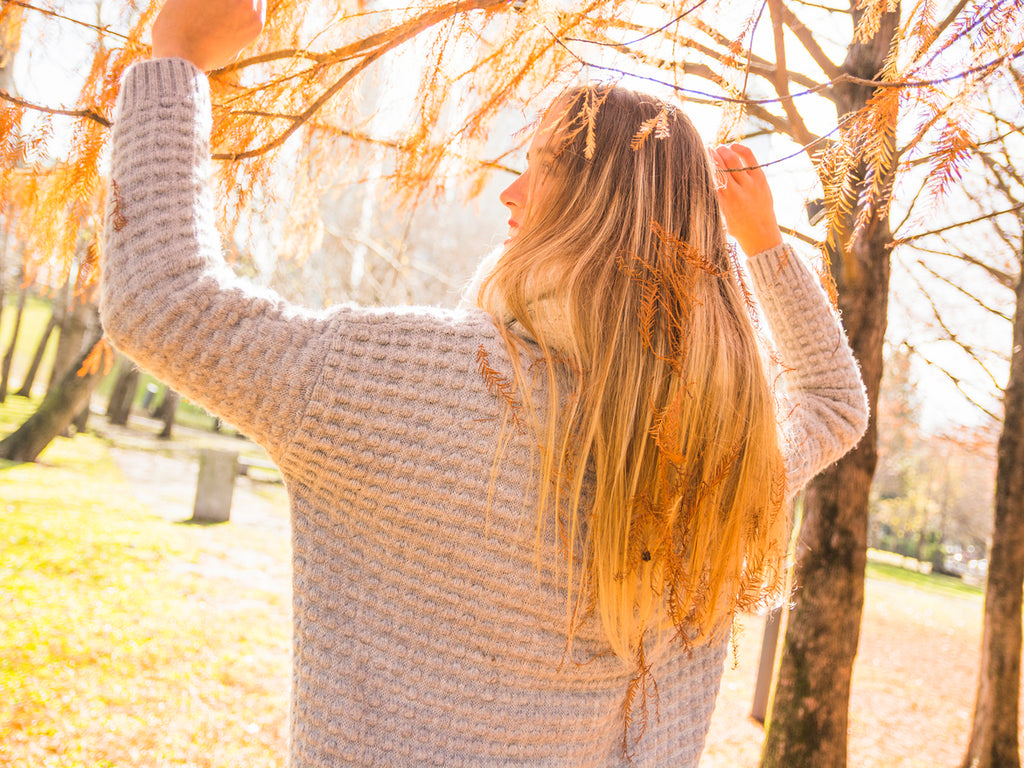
(425, 631)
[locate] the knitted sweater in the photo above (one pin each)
(425, 631)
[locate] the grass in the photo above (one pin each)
(34, 319)
(127, 640)
(117, 646)
(929, 582)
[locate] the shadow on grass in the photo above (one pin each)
(203, 523)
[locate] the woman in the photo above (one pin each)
(519, 532)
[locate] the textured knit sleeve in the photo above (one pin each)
(168, 300)
(826, 409)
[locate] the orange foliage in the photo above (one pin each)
(288, 114)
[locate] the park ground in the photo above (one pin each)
(129, 637)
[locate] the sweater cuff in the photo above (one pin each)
(777, 265)
(164, 83)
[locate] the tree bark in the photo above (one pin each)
(809, 718)
(167, 411)
(9, 44)
(60, 308)
(37, 358)
(994, 740)
(72, 334)
(5, 374)
(81, 420)
(60, 406)
(123, 394)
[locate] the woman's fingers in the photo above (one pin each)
(209, 33)
(738, 164)
(745, 199)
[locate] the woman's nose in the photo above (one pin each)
(514, 195)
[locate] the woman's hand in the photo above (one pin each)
(209, 33)
(745, 199)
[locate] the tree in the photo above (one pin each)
(994, 730)
(932, 493)
(5, 365)
(980, 258)
(284, 112)
(56, 320)
(123, 394)
(60, 406)
(75, 323)
(808, 722)
(10, 33)
(166, 412)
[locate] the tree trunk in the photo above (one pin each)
(922, 540)
(994, 741)
(5, 374)
(81, 421)
(809, 718)
(4, 244)
(72, 334)
(60, 308)
(61, 405)
(167, 411)
(123, 394)
(10, 41)
(37, 358)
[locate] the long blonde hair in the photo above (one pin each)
(623, 277)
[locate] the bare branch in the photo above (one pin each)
(717, 36)
(705, 72)
(927, 158)
(987, 66)
(416, 264)
(363, 44)
(957, 381)
(363, 138)
(828, 8)
(1011, 241)
(1018, 80)
(957, 225)
(88, 114)
(951, 335)
(1001, 277)
(780, 81)
(997, 170)
(910, 208)
(647, 32)
(789, 97)
(102, 30)
(755, 64)
(941, 27)
(394, 38)
(959, 288)
(810, 44)
(800, 236)
(263, 58)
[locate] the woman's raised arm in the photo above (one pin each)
(825, 411)
(168, 300)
